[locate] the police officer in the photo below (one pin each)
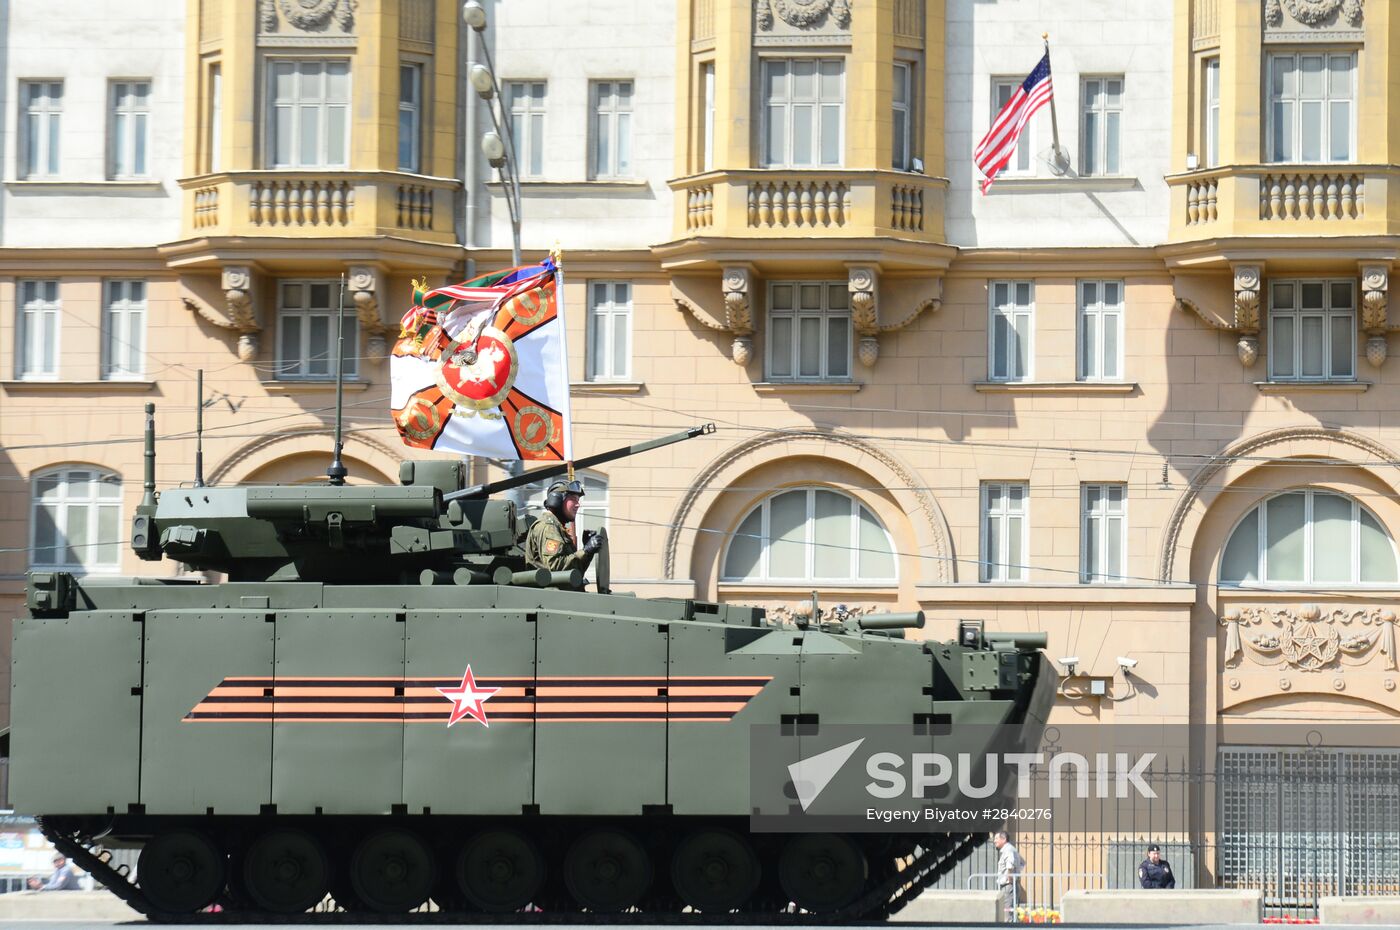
(550, 543)
(1155, 872)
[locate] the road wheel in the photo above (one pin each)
(392, 872)
(822, 872)
(715, 871)
(607, 871)
(181, 871)
(286, 872)
(500, 871)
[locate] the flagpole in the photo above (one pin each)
(1059, 160)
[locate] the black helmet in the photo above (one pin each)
(554, 497)
(1154, 848)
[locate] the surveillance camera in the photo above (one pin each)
(1070, 663)
(1125, 663)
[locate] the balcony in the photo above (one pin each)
(319, 204)
(1281, 200)
(824, 202)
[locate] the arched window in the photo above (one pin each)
(1309, 537)
(76, 516)
(810, 534)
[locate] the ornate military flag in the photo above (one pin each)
(481, 367)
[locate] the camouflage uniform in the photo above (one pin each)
(549, 545)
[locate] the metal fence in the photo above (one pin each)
(1298, 824)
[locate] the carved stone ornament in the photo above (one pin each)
(1375, 285)
(1312, 12)
(363, 284)
(237, 283)
(803, 14)
(860, 281)
(800, 614)
(1309, 639)
(1247, 279)
(307, 15)
(738, 314)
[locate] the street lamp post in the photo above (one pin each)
(498, 144)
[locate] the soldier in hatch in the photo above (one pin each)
(550, 543)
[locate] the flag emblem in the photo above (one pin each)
(480, 367)
(999, 144)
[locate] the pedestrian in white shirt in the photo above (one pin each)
(1010, 865)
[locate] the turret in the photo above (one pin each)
(431, 529)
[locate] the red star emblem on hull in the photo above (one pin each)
(467, 699)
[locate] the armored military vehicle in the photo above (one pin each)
(385, 706)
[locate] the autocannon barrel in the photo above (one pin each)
(354, 504)
(1021, 640)
(912, 620)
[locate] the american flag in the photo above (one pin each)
(999, 144)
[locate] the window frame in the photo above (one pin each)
(213, 158)
(1297, 313)
(133, 113)
(414, 109)
(94, 504)
(324, 105)
(1098, 146)
(708, 88)
(1088, 520)
(1210, 130)
(110, 311)
(817, 103)
(615, 170)
(809, 544)
(796, 313)
(52, 309)
(612, 312)
(1327, 53)
(903, 155)
(526, 146)
(1025, 145)
(47, 161)
(1309, 555)
(1018, 310)
(997, 568)
(352, 332)
(1096, 315)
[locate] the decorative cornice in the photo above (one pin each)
(1249, 447)
(938, 525)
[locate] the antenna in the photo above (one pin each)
(149, 498)
(199, 430)
(337, 471)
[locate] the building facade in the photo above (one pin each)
(1137, 395)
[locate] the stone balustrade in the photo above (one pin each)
(1312, 195)
(767, 203)
(1265, 200)
(320, 203)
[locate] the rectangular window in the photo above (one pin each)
(1310, 106)
(310, 103)
(612, 129)
(525, 100)
(1101, 130)
(609, 331)
(804, 104)
(707, 105)
(1312, 331)
(306, 322)
(1004, 530)
(41, 108)
(1100, 330)
(1009, 330)
(37, 330)
(1103, 533)
(131, 124)
(124, 329)
(904, 114)
(809, 331)
(216, 115)
(1002, 90)
(410, 117)
(1212, 113)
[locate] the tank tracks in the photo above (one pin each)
(879, 902)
